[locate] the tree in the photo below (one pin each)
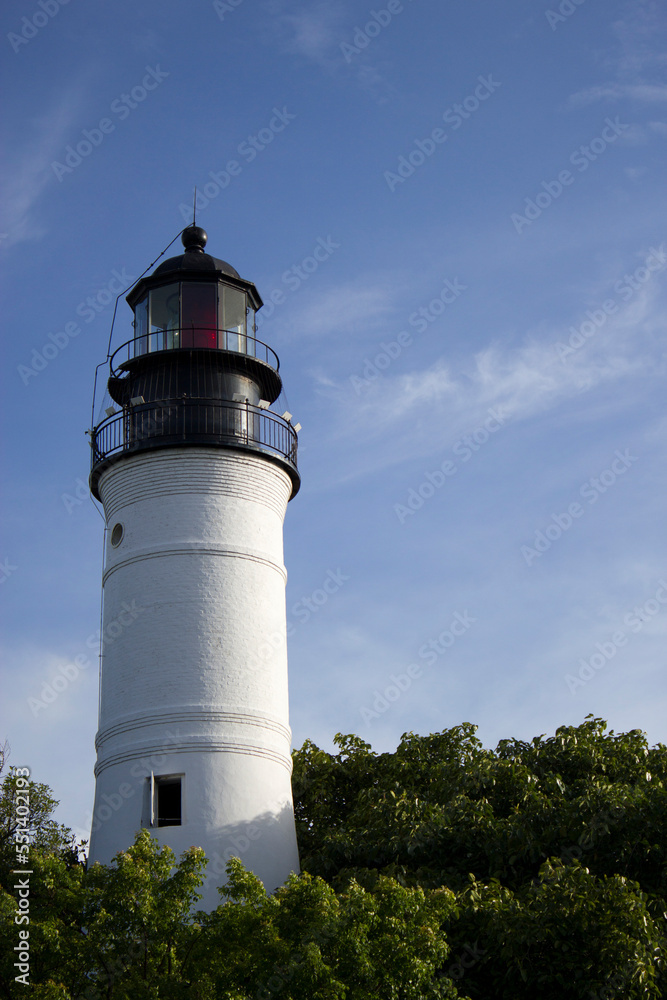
(37, 849)
(127, 931)
(28, 805)
(307, 941)
(443, 870)
(555, 849)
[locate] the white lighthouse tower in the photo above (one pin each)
(195, 471)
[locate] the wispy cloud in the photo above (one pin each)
(316, 32)
(311, 30)
(420, 412)
(637, 32)
(633, 63)
(644, 92)
(360, 306)
(26, 175)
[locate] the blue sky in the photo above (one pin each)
(477, 359)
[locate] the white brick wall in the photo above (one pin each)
(196, 682)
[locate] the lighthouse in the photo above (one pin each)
(194, 470)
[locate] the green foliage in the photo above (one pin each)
(127, 931)
(55, 927)
(566, 934)
(441, 806)
(137, 918)
(307, 941)
(555, 848)
(443, 870)
(46, 835)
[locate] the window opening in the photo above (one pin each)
(167, 802)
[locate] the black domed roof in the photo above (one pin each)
(194, 259)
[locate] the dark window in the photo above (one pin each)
(168, 802)
(199, 321)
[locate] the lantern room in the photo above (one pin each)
(194, 372)
(194, 301)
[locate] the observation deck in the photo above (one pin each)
(176, 422)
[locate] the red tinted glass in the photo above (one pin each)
(198, 314)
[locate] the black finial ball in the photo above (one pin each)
(194, 238)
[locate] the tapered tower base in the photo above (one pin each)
(194, 740)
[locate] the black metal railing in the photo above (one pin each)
(194, 421)
(193, 337)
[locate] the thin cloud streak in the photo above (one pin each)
(353, 307)
(310, 30)
(316, 32)
(26, 178)
(397, 414)
(646, 92)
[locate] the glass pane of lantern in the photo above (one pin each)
(164, 318)
(250, 327)
(141, 327)
(199, 323)
(233, 319)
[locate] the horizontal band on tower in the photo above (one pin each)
(189, 471)
(123, 757)
(193, 548)
(187, 717)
